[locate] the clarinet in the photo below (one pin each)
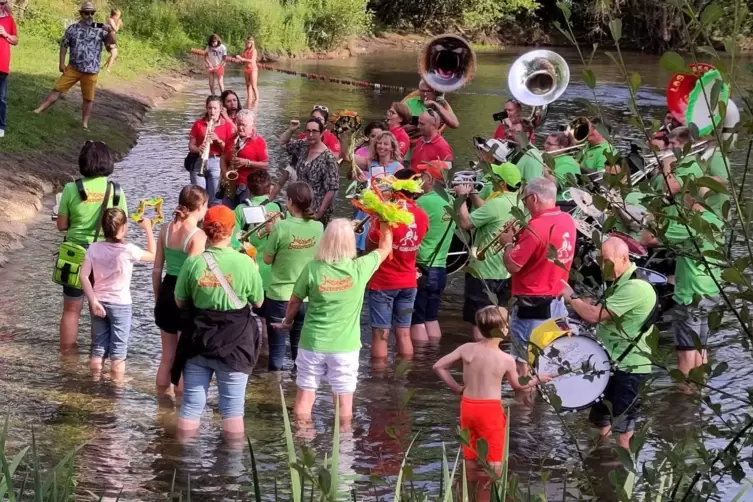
(205, 146)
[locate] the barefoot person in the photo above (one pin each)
(485, 367)
(115, 22)
(222, 337)
(85, 40)
(334, 282)
(81, 207)
(110, 264)
(8, 37)
(250, 72)
(198, 142)
(245, 153)
(214, 60)
(178, 240)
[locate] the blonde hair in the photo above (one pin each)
(492, 318)
(338, 242)
(396, 156)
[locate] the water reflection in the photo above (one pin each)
(130, 435)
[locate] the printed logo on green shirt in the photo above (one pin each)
(301, 243)
(335, 285)
(208, 280)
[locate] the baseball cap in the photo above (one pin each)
(499, 149)
(509, 173)
(222, 215)
(434, 168)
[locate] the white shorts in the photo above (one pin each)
(340, 369)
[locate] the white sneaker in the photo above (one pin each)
(2, 133)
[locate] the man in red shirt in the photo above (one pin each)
(321, 112)
(537, 281)
(223, 133)
(431, 145)
(250, 152)
(392, 289)
(8, 37)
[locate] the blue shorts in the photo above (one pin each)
(196, 377)
(391, 307)
(623, 391)
(429, 294)
(111, 332)
(521, 329)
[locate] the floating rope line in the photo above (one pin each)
(313, 76)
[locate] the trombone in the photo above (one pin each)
(568, 150)
(262, 232)
(494, 246)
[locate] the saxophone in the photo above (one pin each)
(205, 145)
(231, 175)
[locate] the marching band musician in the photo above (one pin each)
(251, 154)
(594, 155)
(563, 164)
(431, 145)
(511, 112)
(492, 151)
(432, 255)
(488, 220)
(624, 321)
(535, 279)
(196, 144)
(528, 158)
(428, 99)
(392, 288)
(399, 116)
(674, 174)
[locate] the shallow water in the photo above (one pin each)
(129, 437)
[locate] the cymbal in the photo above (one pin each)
(584, 201)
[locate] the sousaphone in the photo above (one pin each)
(538, 78)
(447, 63)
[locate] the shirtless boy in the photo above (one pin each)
(485, 366)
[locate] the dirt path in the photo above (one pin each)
(25, 178)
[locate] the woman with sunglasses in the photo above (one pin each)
(8, 37)
(399, 116)
(321, 113)
(313, 163)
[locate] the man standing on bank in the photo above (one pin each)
(85, 40)
(624, 322)
(8, 37)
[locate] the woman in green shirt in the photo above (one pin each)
(178, 240)
(80, 210)
(334, 283)
(291, 246)
(223, 337)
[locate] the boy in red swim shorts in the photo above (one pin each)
(485, 365)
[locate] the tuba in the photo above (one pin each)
(447, 63)
(538, 78)
(579, 128)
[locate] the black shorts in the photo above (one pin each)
(476, 296)
(623, 391)
(167, 316)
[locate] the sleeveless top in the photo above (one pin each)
(389, 169)
(174, 258)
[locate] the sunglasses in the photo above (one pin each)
(88, 12)
(321, 108)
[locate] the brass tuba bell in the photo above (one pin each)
(538, 77)
(447, 63)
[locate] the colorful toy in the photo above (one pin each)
(156, 203)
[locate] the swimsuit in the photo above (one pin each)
(485, 419)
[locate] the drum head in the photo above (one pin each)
(584, 201)
(580, 367)
(457, 256)
(655, 278)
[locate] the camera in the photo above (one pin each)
(499, 116)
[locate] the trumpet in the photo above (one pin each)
(494, 245)
(260, 230)
(205, 147)
(474, 178)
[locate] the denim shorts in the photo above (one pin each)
(196, 377)
(477, 297)
(429, 294)
(623, 391)
(689, 322)
(520, 329)
(340, 369)
(274, 312)
(111, 332)
(390, 307)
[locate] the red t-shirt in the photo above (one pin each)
(499, 133)
(9, 25)
(399, 272)
(223, 130)
(330, 140)
(253, 149)
(539, 276)
(403, 141)
(436, 149)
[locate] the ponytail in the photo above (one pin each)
(191, 198)
(308, 214)
(301, 196)
(181, 213)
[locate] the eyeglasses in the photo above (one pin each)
(321, 108)
(312, 131)
(88, 12)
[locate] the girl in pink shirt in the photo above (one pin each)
(106, 281)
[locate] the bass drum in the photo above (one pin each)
(458, 256)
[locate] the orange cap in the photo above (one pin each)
(434, 168)
(222, 215)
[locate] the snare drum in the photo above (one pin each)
(580, 368)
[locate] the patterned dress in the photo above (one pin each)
(321, 173)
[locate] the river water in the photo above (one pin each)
(128, 434)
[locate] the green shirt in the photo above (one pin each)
(198, 284)
(441, 226)
(632, 301)
(564, 165)
(335, 292)
(83, 215)
(594, 158)
(488, 220)
(254, 240)
(415, 105)
(531, 164)
(691, 277)
(717, 168)
(686, 169)
(293, 244)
